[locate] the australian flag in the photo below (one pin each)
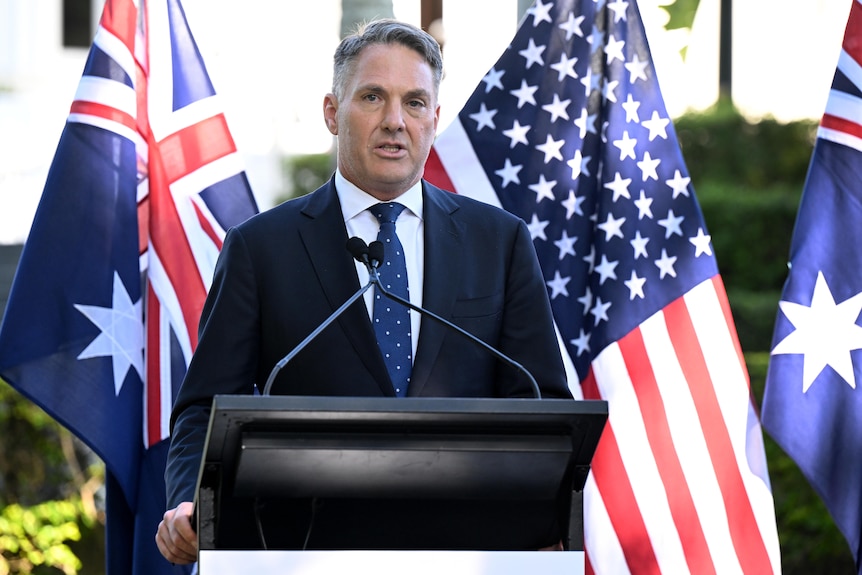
(813, 405)
(569, 131)
(102, 317)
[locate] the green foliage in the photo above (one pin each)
(306, 173)
(48, 487)
(751, 230)
(33, 468)
(37, 536)
(720, 145)
(681, 13)
(754, 315)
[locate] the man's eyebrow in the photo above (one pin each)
(378, 89)
(419, 93)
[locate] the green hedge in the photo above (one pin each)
(751, 231)
(754, 314)
(720, 145)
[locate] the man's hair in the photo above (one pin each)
(384, 31)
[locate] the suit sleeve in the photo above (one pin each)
(223, 363)
(528, 334)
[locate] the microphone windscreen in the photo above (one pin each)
(375, 252)
(357, 248)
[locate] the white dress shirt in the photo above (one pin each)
(409, 227)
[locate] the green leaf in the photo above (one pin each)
(681, 14)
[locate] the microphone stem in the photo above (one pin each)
(375, 279)
(311, 336)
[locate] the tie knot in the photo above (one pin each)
(387, 212)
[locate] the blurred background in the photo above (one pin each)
(745, 82)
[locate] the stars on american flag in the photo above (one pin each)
(577, 141)
(583, 150)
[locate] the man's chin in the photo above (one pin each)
(388, 188)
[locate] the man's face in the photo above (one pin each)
(386, 120)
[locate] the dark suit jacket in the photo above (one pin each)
(283, 272)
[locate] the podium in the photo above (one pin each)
(394, 474)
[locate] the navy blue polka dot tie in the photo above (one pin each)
(391, 319)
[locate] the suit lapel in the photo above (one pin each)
(336, 273)
(442, 276)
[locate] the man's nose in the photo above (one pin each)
(393, 117)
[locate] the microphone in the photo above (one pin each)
(359, 250)
(372, 256)
(375, 257)
(375, 254)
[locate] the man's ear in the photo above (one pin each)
(330, 113)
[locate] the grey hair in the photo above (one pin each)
(384, 31)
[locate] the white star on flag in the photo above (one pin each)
(825, 333)
(701, 243)
(122, 337)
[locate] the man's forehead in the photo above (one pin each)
(375, 69)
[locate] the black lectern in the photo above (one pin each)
(295, 472)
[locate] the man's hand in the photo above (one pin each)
(176, 538)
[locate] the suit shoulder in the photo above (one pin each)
(276, 219)
(471, 207)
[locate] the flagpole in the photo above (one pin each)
(725, 51)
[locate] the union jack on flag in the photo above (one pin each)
(102, 318)
(812, 405)
(569, 131)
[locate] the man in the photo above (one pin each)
(281, 273)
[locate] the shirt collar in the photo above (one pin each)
(354, 201)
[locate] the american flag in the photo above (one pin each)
(569, 131)
(812, 406)
(102, 317)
